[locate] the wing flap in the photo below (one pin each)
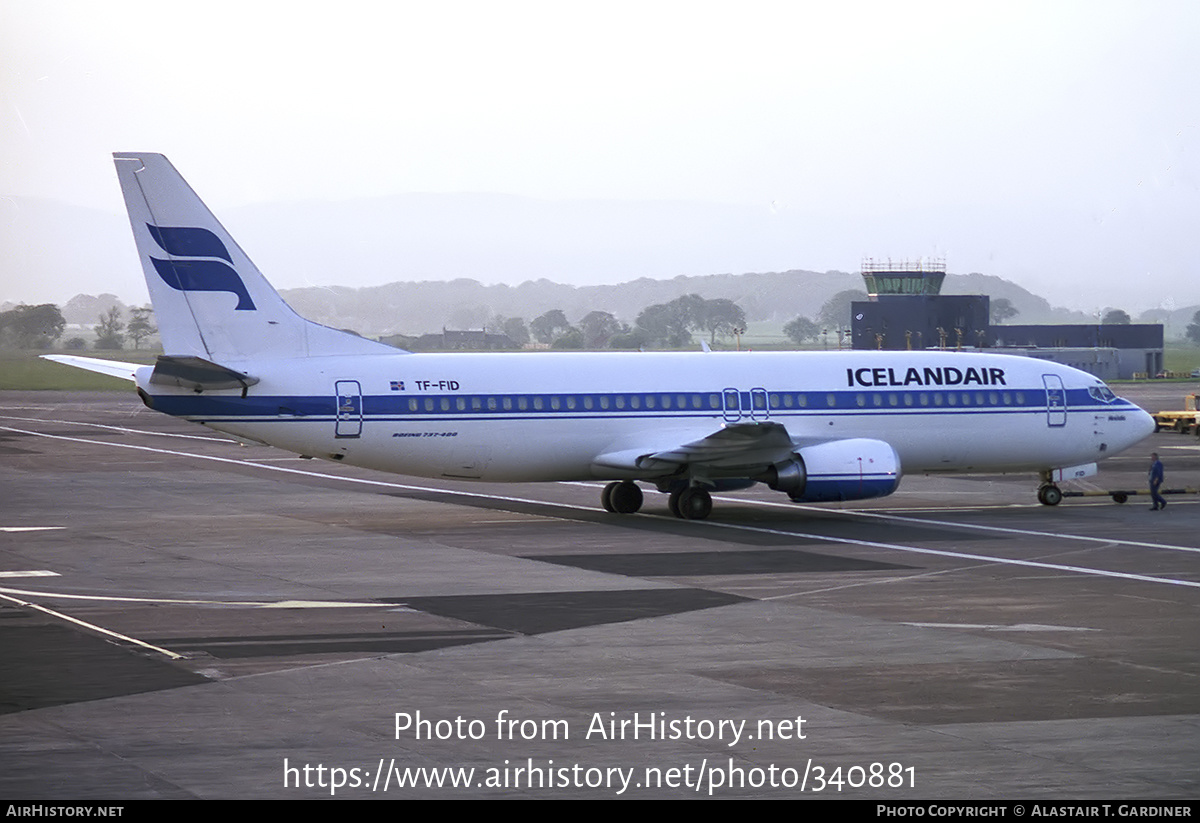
(737, 449)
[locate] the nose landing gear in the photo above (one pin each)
(1049, 494)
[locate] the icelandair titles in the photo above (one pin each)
(942, 376)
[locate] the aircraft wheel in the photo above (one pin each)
(606, 496)
(1049, 495)
(1120, 497)
(673, 502)
(695, 503)
(625, 497)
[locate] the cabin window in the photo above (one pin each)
(428, 404)
(860, 400)
(538, 403)
(556, 403)
(491, 403)
(635, 401)
(588, 403)
(461, 403)
(523, 403)
(831, 400)
(666, 401)
(508, 404)
(445, 404)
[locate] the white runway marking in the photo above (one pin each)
(1016, 627)
(976, 526)
(31, 573)
(93, 627)
(705, 523)
(208, 439)
(172, 601)
(30, 528)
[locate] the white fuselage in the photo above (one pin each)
(548, 416)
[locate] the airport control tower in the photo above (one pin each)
(907, 310)
(903, 277)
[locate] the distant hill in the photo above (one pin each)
(439, 247)
(771, 297)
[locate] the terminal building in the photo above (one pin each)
(906, 311)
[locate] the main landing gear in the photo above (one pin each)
(687, 503)
(690, 503)
(621, 497)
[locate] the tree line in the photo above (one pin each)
(42, 326)
(670, 325)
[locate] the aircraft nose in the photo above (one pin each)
(1143, 426)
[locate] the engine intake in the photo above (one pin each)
(855, 469)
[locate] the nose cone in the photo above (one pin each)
(1138, 426)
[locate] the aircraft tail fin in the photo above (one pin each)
(210, 300)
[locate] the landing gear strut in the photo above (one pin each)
(621, 497)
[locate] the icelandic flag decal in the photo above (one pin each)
(210, 274)
(397, 385)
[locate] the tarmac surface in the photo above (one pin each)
(184, 617)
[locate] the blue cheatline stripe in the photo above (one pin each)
(647, 405)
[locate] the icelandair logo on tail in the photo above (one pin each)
(197, 274)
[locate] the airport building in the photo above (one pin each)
(1109, 352)
(906, 311)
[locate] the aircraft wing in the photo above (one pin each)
(734, 449)
(113, 368)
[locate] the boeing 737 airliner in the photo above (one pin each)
(817, 426)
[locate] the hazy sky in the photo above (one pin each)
(1051, 143)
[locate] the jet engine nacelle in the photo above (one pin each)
(855, 469)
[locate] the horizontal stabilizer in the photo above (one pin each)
(197, 374)
(113, 368)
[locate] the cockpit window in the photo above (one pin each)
(1102, 393)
